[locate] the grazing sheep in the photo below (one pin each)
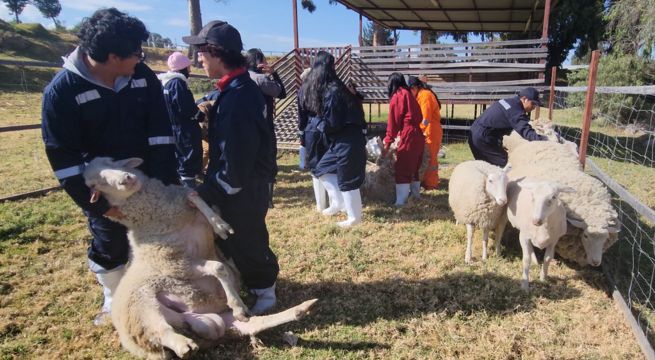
(177, 291)
(533, 207)
(588, 209)
(477, 195)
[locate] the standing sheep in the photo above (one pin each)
(588, 209)
(477, 195)
(533, 207)
(177, 291)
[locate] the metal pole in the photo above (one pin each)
(295, 24)
(361, 39)
(589, 105)
(544, 30)
(551, 97)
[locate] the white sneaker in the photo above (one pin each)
(265, 300)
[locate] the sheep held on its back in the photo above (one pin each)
(588, 209)
(477, 195)
(178, 292)
(533, 207)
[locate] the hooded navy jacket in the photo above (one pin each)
(83, 119)
(240, 137)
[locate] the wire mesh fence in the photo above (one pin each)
(621, 152)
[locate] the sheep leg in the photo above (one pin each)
(527, 250)
(550, 252)
(258, 324)
(219, 271)
(485, 238)
(469, 242)
(498, 232)
(204, 325)
(221, 228)
(168, 337)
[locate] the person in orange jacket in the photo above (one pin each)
(431, 127)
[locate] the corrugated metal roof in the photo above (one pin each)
(453, 15)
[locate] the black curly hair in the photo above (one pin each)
(232, 59)
(254, 57)
(109, 31)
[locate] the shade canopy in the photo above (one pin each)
(453, 15)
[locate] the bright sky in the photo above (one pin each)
(264, 24)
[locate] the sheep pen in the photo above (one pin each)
(394, 287)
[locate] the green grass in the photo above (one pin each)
(394, 287)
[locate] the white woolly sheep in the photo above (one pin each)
(533, 207)
(176, 282)
(379, 181)
(589, 208)
(477, 195)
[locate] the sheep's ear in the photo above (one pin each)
(525, 183)
(130, 163)
(507, 168)
(576, 223)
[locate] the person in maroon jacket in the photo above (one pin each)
(404, 119)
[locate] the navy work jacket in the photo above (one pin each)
(82, 120)
(501, 118)
(240, 137)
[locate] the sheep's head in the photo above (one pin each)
(496, 185)
(544, 196)
(595, 241)
(115, 180)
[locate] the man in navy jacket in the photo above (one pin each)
(503, 116)
(106, 102)
(241, 161)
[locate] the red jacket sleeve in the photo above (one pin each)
(397, 110)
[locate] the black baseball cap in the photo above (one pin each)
(413, 81)
(531, 94)
(218, 33)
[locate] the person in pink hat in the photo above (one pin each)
(185, 118)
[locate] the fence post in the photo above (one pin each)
(589, 106)
(551, 97)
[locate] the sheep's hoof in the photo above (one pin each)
(240, 314)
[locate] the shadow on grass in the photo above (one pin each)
(397, 299)
(348, 305)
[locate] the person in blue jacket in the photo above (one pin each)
(241, 161)
(341, 169)
(312, 141)
(503, 116)
(185, 116)
(106, 102)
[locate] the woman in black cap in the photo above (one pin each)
(503, 116)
